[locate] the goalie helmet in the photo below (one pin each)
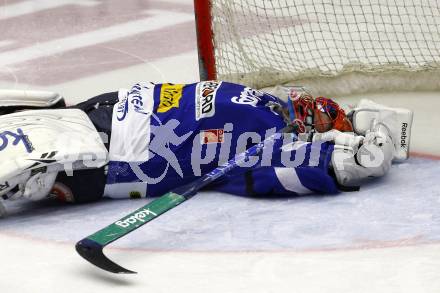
(320, 114)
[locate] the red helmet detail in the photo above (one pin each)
(307, 113)
(303, 106)
(337, 114)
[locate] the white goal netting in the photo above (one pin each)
(334, 46)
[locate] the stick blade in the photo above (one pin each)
(92, 252)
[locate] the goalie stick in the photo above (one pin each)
(91, 247)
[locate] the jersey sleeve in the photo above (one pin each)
(310, 176)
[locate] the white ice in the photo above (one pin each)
(381, 239)
(402, 208)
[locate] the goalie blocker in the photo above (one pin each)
(37, 145)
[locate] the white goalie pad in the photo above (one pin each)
(29, 98)
(39, 142)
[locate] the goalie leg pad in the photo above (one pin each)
(13, 100)
(37, 144)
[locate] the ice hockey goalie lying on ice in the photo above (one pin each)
(154, 137)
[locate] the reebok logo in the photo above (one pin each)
(403, 136)
(137, 217)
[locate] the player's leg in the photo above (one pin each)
(38, 144)
(47, 131)
(77, 187)
(100, 110)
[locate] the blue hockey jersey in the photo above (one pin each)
(167, 135)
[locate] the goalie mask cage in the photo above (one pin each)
(334, 47)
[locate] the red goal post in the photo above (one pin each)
(205, 39)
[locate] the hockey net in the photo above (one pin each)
(332, 46)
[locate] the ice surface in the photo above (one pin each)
(403, 207)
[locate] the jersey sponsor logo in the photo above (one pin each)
(122, 109)
(212, 136)
(133, 98)
(170, 95)
(403, 136)
(17, 137)
(206, 92)
(249, 97)
(137, 217)
(136, 98)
